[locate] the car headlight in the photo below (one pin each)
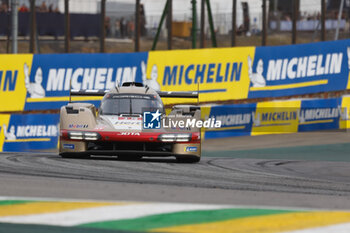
(175, 137)
(89, 136)
(75, 135)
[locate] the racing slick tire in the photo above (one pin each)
(188, 159)
(74, 156)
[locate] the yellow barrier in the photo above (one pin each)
(12, 81)
(219, 74)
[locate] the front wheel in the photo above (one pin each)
(188, 159)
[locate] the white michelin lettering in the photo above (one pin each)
(304, 66)
(290, 70)
(234, 119)
(336, 61)
(109, 83)
(75, 78)
(320, 69)
(284, 69)
(40, 131)
(37, 131)
(67, 84)
(88, 78)
(315, 114)
(274, 69)
(55, 80)
(301, 70)
(328, 59)
(88, 81)
(100, 78)
(129, 74)
(118, 77)
(311, 66)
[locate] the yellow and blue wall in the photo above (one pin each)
(41, 82)
(276, 117)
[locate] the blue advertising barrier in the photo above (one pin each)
(29, 132)
(310, 115)
(52, 76)
(323, 114)
(300, 69)
(236, 120)
(42, 82)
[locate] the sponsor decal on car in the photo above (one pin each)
(69, 146)
(76, 126)
(129, 134)
(125, 123)
(191, 149)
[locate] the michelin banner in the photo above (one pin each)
(299, 69)
(218, 74)
(277, 117)
(249, 72)
(29, 132)
(32, 132)
(52, 76)
(41, 82)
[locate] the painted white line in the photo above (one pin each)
(107, 213)
(339, 228)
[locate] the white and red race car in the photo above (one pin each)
(130, 123)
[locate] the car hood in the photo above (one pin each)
(122, 123)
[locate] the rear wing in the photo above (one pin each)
(178, 94)
(88, 92)
(165, 94)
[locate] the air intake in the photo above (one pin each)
(135, 84)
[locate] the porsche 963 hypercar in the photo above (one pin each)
(130, 123)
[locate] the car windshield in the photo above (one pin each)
(117, 104)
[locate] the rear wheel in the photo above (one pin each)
(188, 159)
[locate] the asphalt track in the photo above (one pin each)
(306, 173)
